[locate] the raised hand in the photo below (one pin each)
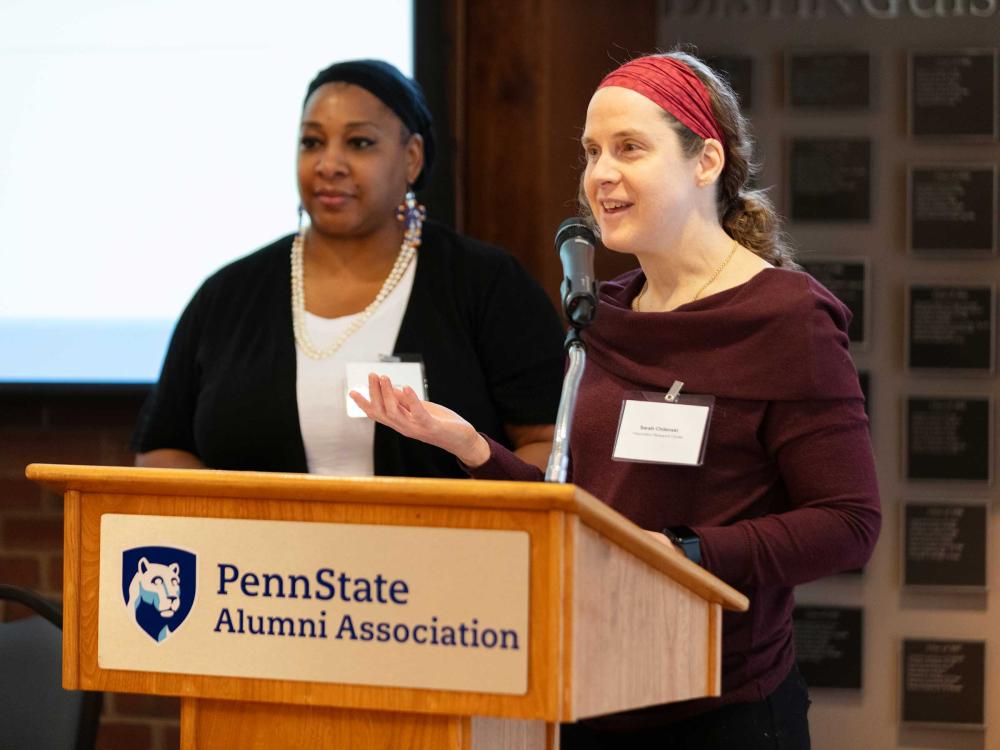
(403, 411)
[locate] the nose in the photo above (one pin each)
(331, 161)
(603, 170)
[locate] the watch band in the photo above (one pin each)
(685, 539)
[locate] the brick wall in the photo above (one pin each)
(74, 429)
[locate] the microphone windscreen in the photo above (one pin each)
(574, 227)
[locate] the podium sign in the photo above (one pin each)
(415, 607)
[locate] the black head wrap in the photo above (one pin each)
(399, 93)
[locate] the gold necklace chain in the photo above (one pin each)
(717, 270)
(706, 285)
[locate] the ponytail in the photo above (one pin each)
(751, 220)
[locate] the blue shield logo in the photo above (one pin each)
(159, 585)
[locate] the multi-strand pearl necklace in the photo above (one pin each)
(407, 250)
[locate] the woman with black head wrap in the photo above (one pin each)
(257, 371)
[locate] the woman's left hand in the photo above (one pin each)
(661, 537)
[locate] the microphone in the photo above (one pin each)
(575, 243)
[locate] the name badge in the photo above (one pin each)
(401, 373)
(663, 428)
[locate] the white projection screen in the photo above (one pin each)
(142, 145)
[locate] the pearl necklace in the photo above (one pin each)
(407, 251)
(713, 277)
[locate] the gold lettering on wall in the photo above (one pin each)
(809, 10)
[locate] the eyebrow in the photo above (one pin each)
(627, 133)
(356, 124)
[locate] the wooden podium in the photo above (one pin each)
(613, 618)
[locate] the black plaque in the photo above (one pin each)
(951, 328)
(944, 682)
(848, 280)
(830, 179)
(948, 439)
(828, 646)
(738, 70)
(828, 80)
(953, 94)
(952, 210)
(944, 545)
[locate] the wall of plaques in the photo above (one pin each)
(878, 125)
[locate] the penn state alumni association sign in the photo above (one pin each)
(437, 608)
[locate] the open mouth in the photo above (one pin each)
(612, 208)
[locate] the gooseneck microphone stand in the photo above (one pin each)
(575, 243)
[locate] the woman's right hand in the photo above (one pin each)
(403, 411)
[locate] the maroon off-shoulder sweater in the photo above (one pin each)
(787, 492)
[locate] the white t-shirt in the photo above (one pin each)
(336, 444)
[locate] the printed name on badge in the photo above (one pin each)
(657, 431)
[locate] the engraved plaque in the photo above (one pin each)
(944, 544)
(952, 210)
(830, 179)
(948, 438)
(943, 682)
(951, 328)
(828, 80)
(828, 645)
(953, 94)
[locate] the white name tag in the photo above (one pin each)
(401, 374)
(662, 432)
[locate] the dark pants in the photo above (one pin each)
(776, 723)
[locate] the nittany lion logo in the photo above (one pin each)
(158, 584)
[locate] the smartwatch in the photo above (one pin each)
(688, 542)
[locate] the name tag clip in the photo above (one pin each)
(674, 392)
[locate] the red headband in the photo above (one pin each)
(673, 86)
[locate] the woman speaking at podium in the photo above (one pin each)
(258, 369)
(776, 486)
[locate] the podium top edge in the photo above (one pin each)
(62, 478)
(457, 493)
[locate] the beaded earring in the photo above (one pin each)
(412, 215)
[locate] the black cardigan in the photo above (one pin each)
(490, 340)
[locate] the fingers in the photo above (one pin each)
(375, 394)
(364, 404)
(373, 406)
(396, 410)
(410, 402)
(389, 399)
(387, 404)
(660, 537)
